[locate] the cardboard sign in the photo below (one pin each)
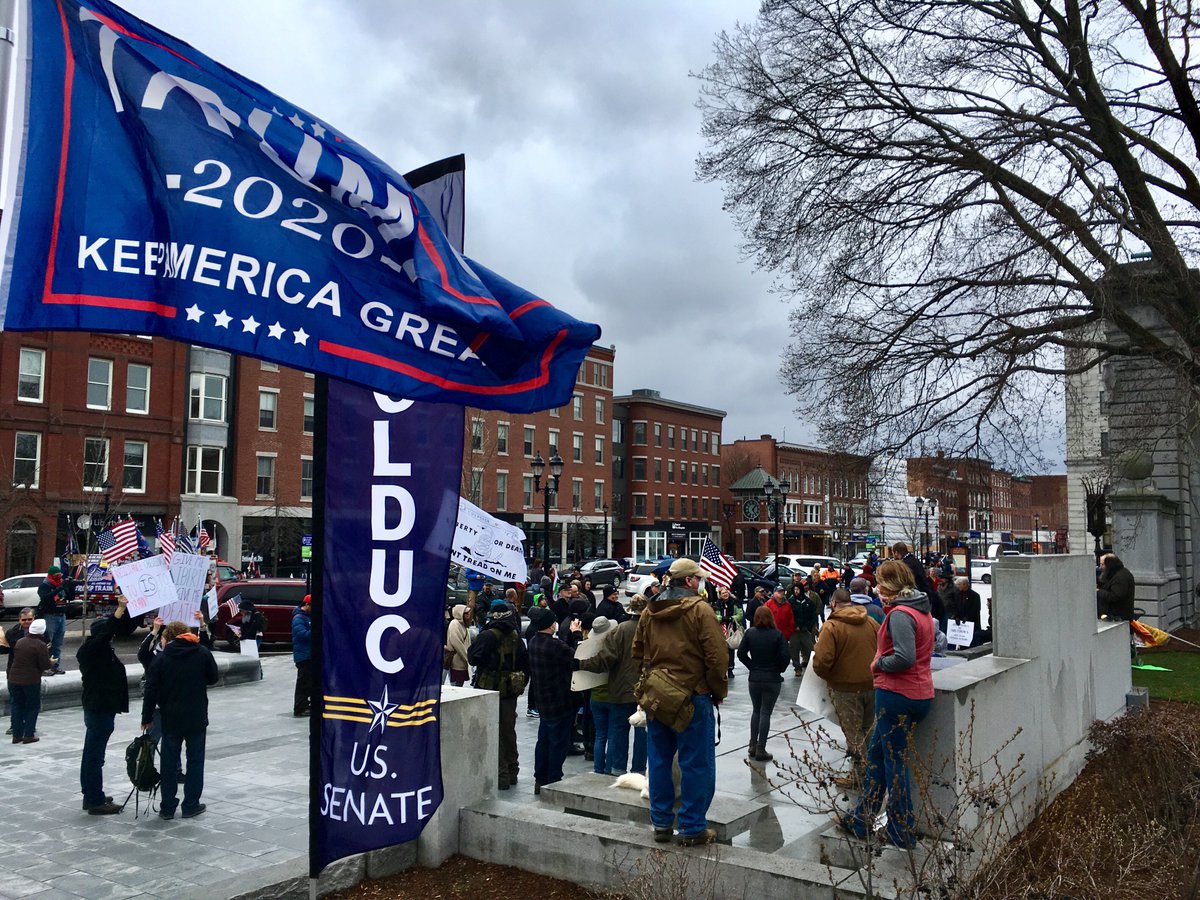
(146, 583)
(814, 696)
(581, 680)
(189, 572)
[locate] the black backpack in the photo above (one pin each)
(139, 763)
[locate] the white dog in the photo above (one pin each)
(636, 781)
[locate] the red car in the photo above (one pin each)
(275, 598)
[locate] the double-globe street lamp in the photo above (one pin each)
(928, 507)
(551, 487)
(776, 493)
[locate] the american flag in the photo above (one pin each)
(183, 542)
(201, 536)
(232, 605)
(166, 540)
(70, 549)
(714, 564)
(118, 542)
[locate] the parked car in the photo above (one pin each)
(639, 578)
(603, 571)
(20, 591)
(275, 598)
(804, 562)
(981, 570)
(766, 574)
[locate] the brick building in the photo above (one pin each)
(86, 420)
(499, 448)
(667, 470)
(1049, 505)
(824, 513)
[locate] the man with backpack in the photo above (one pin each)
(502, 665)
(105, 693)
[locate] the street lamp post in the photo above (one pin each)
(776, 492)
(1037, 533)
(605, 508)
(927, 507)
(551, 487)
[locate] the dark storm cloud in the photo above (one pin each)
(579, 125)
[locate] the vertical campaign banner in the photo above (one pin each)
(391, 498)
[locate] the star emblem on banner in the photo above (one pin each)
(296, 120)
(276, 331)
(250, 325)
(301, 336)
(194, 313)
(318, 129)
(382, 709)
(222, 319)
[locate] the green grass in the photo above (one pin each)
(1181, 683)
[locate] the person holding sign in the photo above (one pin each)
(105, 693)
(963, 608)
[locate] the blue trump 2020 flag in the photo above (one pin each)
(160, 193)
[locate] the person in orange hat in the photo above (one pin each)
(302, 656)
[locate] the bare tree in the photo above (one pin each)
(952, 191)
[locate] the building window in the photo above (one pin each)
(306, 478)
(268, 366)
(208, 397)
(600, 450)
(657, 469)
(501, 491)
(618, 431)
(599, 410)
(30, 379)
(530, 436)
(670, 506)
(95, 463)
(477, 487)
(268, 407)
(476, 435)
(137, 389)
(205, 469)
(27, 459)
(264, 483)
(704, 474)
(704, 508)
(704, 442)
(657, 435)
(639, 434)
(553, 441)
(639, 506)
(812, 513)
(577, 407)
(133, 475)
(695, 507)
(639, 468)
(658, 506)
(310, 414)
(695, 441)
(695, 474)
(716, 441)
(618, 466)
(527, 491)
(502, 438)
(670, 437)
(670, 471)
(99, 386)
(649, 544)
(577, 447)
(577, 494)
(598, 496)
(555, 413)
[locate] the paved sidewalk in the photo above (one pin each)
(255, 830)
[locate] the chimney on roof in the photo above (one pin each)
(764, 437)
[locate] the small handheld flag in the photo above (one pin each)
(714, 564)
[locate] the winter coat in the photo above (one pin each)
(551, 661)
(105, 685)
(616, 658)
(1114, 592)
(178, 683)
(30, 658)
(611, 610)
(458, 638)
(784, 620)
(52, 597)
(845, 649)
(679, 634)
(301, 636)
(765, 653)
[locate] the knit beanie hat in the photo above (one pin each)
(37, 626)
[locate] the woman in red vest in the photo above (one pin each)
(903, 694)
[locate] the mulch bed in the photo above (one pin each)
(460, 878)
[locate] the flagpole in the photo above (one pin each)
(317, 684)
(8, 38)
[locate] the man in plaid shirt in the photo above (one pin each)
(551, 661)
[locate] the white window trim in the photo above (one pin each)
(107, 461)
(502, 499)
(507, 437)
(307, 497)
(37, 458)
(149, 377)
(108, 387)
(274, 475)
(41, 397)
(268, 390)
(224, 397)
(199, 470)
(313, 398)
(145, 465)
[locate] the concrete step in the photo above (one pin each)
(613, 855)
(595, 796)
(890, 864)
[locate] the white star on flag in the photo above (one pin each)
(296, 120)
(194, 313)
(250, 325)
(222, 319)
(301, 337)
(318, 129)
(277, 331)
(383, 709)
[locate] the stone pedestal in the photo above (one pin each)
(1144, 537)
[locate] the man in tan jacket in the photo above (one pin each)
(679, 635)
(843, 656)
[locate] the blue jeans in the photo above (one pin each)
(618, 738)
(601, 710)
(56, 628)
(697, 766)
(887, 767)
(554, 739)
(98, 729)
(26, 700)
(193, 781)
(638, 764)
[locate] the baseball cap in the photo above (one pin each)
(683, 568)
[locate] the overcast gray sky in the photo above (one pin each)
(579, 125)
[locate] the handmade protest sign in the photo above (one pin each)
(189, 572)
(486, 544)
(960, 634)
(146, 584)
